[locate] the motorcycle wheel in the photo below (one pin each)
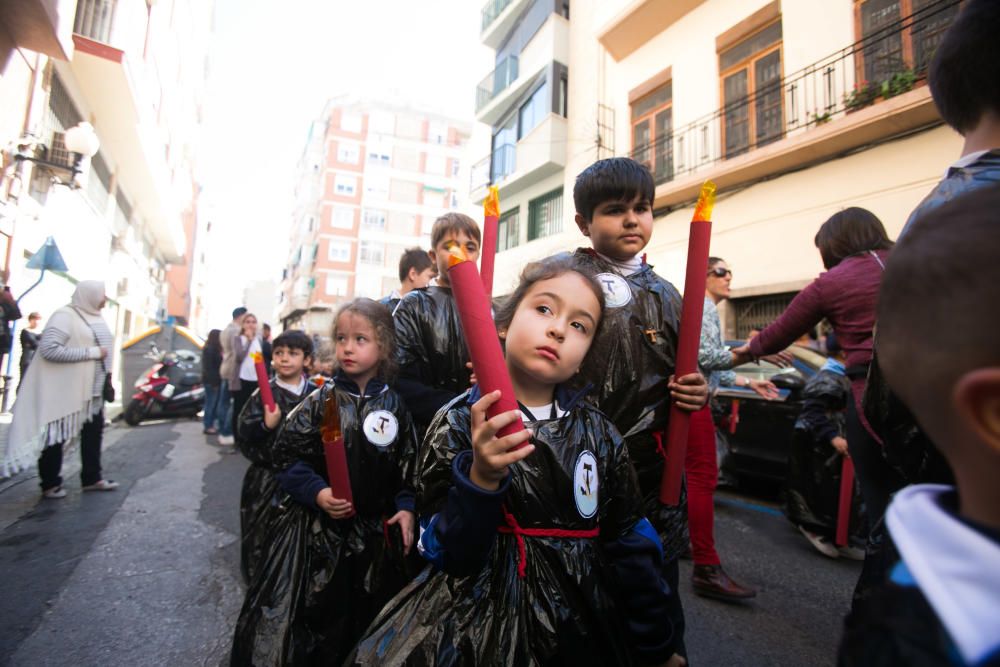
(134, 413)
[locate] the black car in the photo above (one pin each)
(753, 435)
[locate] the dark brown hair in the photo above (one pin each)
(712, 261)
(546, 269)
(454, 222)
(413, 258)
(385, 333)
(612, 179)
(849, 232)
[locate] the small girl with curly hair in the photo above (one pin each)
(342, 561)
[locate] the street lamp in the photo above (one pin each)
(80, 140)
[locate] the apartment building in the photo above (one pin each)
(134, 70)
(795, 108)
(372, 179)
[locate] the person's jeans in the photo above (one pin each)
(211, 407)
(50, 462)
(224, 411)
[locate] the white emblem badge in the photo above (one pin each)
(585, 485)
(381, 428)
(616, 290)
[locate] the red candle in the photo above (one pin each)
(688, 338)
(337, 472)
(481, 338)
(487, 253)
(266, 397)
(844, 506)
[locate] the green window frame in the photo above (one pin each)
(508, 229)
(545, 215)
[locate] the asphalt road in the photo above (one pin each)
(148, 574)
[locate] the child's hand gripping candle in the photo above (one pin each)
(491, 221)
(266, 397)
(687, 340)
(335, 454)
(481, 337)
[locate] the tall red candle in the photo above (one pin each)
(844, 505)
(488, 251)
(337, 472)
(688, 338)
(266, 397)
(481, 338)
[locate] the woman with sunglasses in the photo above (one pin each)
(700, 464)
(854, 246)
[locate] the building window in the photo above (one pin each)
(437, 132)
(455, 166)
(348, 153)
(382, 122)
(372, 219)
(504, 155)
(371, 252)
(339, 251)
(345, 186)
(337, 284)
(751, 91)
(434, 164)
(350, 121)
(508, 230)
(379, 156)
(342, 217)
(888, 51)
(377, 186)
(652, 132)
(563, 108)
(533, 111)
(545, 215)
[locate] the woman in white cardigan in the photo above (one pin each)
(62, 395)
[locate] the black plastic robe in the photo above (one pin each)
(261, 495)
(478, 610)
(630, 363)
(323, 580)
(431, 352)
(814, 466)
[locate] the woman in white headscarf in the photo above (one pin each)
(62, 395)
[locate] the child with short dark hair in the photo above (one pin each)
(416, 270)
(334, 563)
(433, 360)
(541, 553)
(938, 322)
(633, 363)
(292, 350)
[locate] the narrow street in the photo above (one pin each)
(148, 574)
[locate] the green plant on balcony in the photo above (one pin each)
(821, 118)
(898, 83)
(864, 93)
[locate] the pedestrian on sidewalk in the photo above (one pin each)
(228, 371)
(211, 362)
(63, 395)
(29, 343)
(243, 385)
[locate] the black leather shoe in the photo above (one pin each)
(713, 582)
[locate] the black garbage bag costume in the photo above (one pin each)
(322, 580)
(430, 351)
(555, 567)
(814, 466)
(261, 496)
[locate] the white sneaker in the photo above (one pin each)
(55, 492)
(226, 440)
(823, 545)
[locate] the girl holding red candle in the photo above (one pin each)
(541, 553)
(346, 559)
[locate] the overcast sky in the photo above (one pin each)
(273, 65)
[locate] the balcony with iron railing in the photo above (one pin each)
(496, 82)
(867, 92)
(498, 18)
(491, 10)
(513, 167)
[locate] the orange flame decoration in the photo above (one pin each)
(457, 255)
(706, 201)
(257, 357)
(491, 205)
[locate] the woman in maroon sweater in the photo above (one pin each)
(854, 245)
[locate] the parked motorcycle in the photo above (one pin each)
(172, 387)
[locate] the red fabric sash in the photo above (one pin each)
(513, 528)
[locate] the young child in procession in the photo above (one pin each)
(330, 571)
(431, 354)
(257, 427)
(541, 553)
(938, 322)
(634, 360)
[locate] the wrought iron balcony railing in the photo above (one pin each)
(491, 10)
(888, 62)
(496, 82)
